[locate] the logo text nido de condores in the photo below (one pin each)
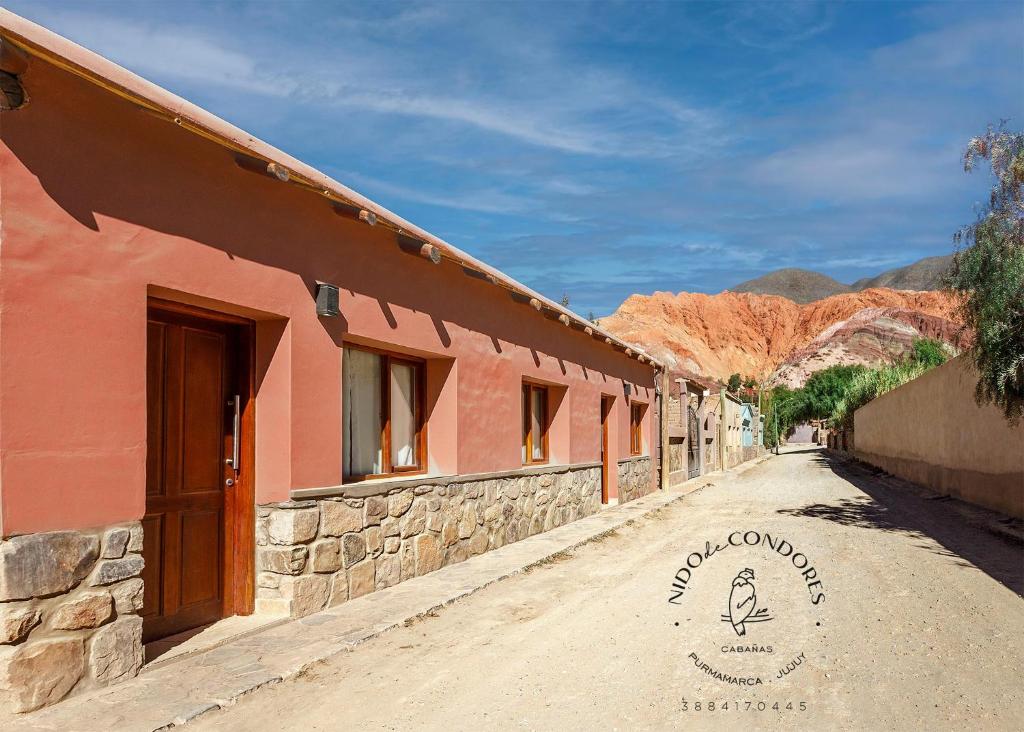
(763, 586)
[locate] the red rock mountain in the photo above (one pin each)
(755, 335)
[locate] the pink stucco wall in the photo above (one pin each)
(103, 205)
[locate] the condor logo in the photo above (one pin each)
(743, 604)
(732, 589)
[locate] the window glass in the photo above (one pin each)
(526, 418)
(361, 399)
(537, 422)
(404, 416)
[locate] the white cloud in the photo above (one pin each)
(553, 104)
(484, 201)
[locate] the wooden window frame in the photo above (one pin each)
(636, 428)
(526, 395)
(387, 358)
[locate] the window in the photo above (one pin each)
(382, 397)
(636, 431)
(535, 424)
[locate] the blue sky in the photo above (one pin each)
(603, 149)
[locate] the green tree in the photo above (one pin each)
(988, 273)
(565, 300)
(735, 382)
(823, 390)
(928, 352)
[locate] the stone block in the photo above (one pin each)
(407, 555)
(326, 555)
(282, 560)
(338, 518)
(392, 544)
(468, 523)
(16, 620)
(86, 610)
(415, 519)
(39, 673)
(374, 541)
(478, 544)
(128, 596)
(262, 534)
(422, 490)
(115, 570)
(353, 549)
(115, 543)
(435, 522)
(399, 503)
(308, 593)
(268, 580)
(458, 553)
(339, 589)
(45, 564)
(433, 504)
(115, 650)
(389, 571)
(277, 606)
(376, 508)
(391, 527)
(135, 539)
(450, 532)
(536, 524)
(293, 527)
(429, 553)
(361, 579)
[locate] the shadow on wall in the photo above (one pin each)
(914, 512)
(151, 174)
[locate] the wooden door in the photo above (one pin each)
(606, 411)
(194, 507)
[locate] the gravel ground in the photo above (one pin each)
(884, 608)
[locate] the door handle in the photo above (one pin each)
(236, 424)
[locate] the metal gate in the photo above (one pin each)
(693, 438)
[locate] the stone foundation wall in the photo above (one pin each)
(313, 554)
(635, 479)
(69, 603)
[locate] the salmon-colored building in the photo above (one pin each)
(230, 384)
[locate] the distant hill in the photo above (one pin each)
(799, 285)
(804, 286)
(925, 274)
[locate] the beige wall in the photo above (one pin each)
(932, 432)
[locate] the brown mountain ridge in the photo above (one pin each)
(804, 286)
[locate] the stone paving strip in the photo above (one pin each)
(176, 692)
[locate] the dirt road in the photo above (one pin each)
(805, 594)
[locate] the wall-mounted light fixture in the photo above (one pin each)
(627, 389)
(327, 300)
